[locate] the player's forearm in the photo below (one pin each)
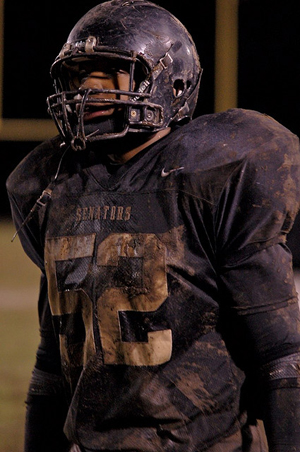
(44, 425)
(282, 420)
(282, 404)
(45, 415)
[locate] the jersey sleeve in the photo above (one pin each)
(25, 186)
(256, 210)
(28, 234)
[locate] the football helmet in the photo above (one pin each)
(162, 61)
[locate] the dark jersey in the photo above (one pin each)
(168, 278)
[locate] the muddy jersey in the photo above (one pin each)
(168, 278)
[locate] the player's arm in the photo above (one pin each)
(263, 333)
(46, 401)
(259, 300)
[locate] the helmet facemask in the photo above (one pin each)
(162, 61)
(132, 109)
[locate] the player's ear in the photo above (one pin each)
(178, 88)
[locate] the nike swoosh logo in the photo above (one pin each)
(167, 173)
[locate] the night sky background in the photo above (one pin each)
(269, 66)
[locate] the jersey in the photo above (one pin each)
(169, 280)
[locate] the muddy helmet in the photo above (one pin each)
(162, 62)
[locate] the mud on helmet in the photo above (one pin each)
(163, 65)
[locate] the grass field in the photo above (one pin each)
(19, 280)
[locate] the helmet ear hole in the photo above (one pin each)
(178, 87)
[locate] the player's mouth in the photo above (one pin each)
(95, 111)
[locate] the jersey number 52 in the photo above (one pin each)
(143, 289)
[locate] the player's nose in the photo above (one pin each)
(92, 83)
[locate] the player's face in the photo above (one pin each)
(100, 75)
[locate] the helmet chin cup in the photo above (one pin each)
(163, 64)
(78, 143)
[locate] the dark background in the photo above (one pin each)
(268, 76)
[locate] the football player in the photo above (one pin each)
(168, 313)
